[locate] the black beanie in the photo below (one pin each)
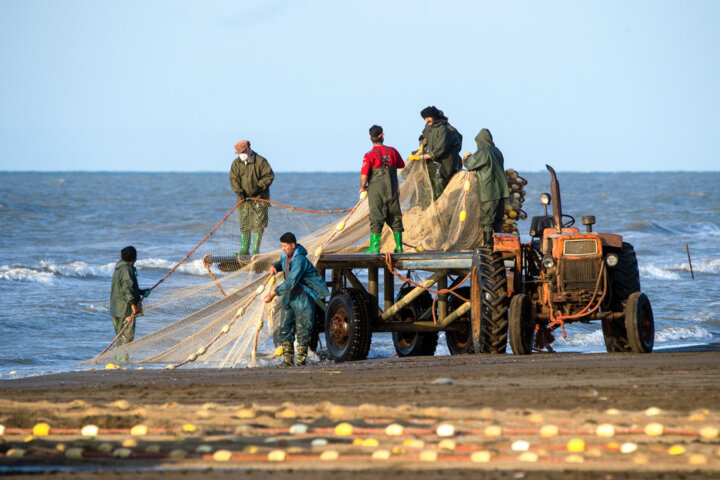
(430, 112)
(129, 254)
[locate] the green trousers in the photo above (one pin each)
(383, 201)
(129, 333)
(490, 215)
(298, 314)
(253, 216)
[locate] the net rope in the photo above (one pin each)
(214, 314)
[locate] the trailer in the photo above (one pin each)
(460, 293)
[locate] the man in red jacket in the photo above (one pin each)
(379, 177)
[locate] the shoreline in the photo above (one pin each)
(250, 413)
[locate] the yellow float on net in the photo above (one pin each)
(271, 280)
(278, 352)
(419, 248)
(512, 214)
(241, 310)
(41, 429)
(226, 329)
(259, 290)
(201, 351)
(466, 186)
(318, 252)
(192, 357)
(340, 226)
(363, 195)
(463, 215)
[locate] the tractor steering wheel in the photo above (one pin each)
(570, 222)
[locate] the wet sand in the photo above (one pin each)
(249, 413)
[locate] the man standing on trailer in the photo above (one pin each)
(442, 152)
(302, 286)
(250, 177)
(492, 187)
(379, 177)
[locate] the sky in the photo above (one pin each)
(104, 85)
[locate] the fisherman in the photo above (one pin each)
(125, 298)
(378, 177)
(492, 187)
(250, 178)
(302, 286)
(442, 152)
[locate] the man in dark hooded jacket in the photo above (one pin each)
(489, 167)
(442, 152)
(251, 177)
(125, 298)
(302, 286)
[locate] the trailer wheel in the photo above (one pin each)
(414, 344)
(521, 328)
(639, 323)
(347, 327)
(458, 338)
(318, 326)
(488, 294)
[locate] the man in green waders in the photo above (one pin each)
(250, 177)
(379, 177)
(302, 286)
(489, 167)
(442, 152)
(125, 298)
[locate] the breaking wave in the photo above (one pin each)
(711, 265)
(25, 274)
(194, 267)
(673, 334)
(661, 273)
(650, 227)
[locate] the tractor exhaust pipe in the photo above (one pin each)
(556, 204)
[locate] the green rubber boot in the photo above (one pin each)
(398, 242)
(288, 354)
(256, 238)
(244, 244)
(374, 244)
(302, 355)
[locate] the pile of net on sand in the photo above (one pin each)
(215, 318)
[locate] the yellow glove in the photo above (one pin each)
(412, 157)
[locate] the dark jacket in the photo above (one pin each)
(444, 143)
(124, 291)
(243, 178)
(489, 167)
(302, 273)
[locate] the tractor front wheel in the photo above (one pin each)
(521, 328)
(640, 323)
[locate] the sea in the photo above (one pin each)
(61, 233)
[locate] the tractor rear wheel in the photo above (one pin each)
(640, 323)
(488, 294)
(412, 344)
(347, 326)
(624, 277)
(521, 328)
(459, 339)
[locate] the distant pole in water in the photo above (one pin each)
(689, 261)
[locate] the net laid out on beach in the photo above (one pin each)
(215, 313)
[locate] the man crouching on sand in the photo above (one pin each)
(302, 286)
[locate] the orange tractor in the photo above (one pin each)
(563, 276)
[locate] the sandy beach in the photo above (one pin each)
(541, 416)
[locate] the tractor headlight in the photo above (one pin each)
(611, 259)
(545, 198)
(548, 262)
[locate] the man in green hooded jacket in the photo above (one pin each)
(442, 152)
(302, 286)
(251, 177)
(489, 167)
(125, 298)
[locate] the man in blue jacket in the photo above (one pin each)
(302, 286)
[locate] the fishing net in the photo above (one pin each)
(209, 308)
